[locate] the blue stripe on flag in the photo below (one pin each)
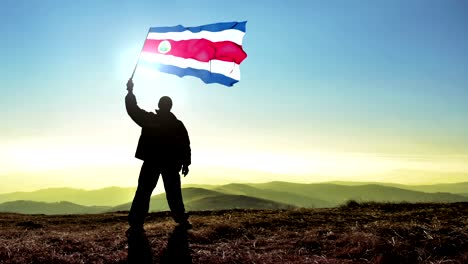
(204, 75)
(211, 27)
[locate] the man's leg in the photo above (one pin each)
(147, 180)
(172, 186)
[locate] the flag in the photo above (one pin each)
(211, 52)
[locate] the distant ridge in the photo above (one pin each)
(271, 195)
(460, 187)
(338, 194)
(285, 196)
(31, 207)
(110, 196)
(198, 199)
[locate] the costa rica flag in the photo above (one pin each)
(211, 52)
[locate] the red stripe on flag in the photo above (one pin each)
(200, 49)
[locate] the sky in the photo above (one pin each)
(331, 90)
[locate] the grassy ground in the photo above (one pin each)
(355, 233)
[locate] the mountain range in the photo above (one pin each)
(271, 195)
(110, 196)
(32, 207)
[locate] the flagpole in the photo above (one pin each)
(134, 69)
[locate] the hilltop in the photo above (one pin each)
(354, 233)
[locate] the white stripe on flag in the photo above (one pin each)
(230, 69)
(232, 35)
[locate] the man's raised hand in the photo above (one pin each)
(130, 86)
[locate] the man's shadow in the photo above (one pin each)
(139, 249)
(176, 251)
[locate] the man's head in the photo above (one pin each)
(165, 104)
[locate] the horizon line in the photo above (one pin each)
(245, 183)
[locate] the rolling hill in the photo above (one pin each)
(447, 187)
(110, 196)
(338, 194)
(271, 195)
(274, 195)
(30, 207)
(455, 188)
(198, 199)
(158, 202)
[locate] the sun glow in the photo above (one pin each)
(63, 162)
(334, 164)
(32, 156)
(150, 85)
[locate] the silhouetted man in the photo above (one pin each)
(164, 147)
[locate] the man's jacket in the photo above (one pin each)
(163, 139)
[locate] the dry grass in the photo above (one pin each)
(354, 233)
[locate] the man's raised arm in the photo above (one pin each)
(140, 116)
